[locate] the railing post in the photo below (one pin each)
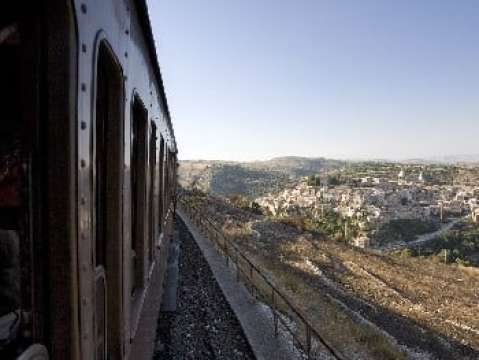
(275, 316)
(308, 341)
(251, 279)
(237, 267)
(227, 255)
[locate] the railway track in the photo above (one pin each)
(203, 325)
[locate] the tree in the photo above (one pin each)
(313, 180)
(238, 200)
(333, 180)
(256, 208)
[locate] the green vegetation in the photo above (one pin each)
(404, 230)
(335, 180)
(313, 180)
(407, 252)
(330, 224)
(235, 179)
(459, 246)
(244, 203)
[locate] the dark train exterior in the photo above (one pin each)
(87, 180)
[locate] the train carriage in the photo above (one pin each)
(87, 180)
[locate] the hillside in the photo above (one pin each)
(369, 305)
(249, 178)
(296, 166)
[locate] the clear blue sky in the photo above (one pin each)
(254, 79)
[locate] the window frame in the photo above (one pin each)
(138, 178)
(161, 165)
(108, 153)
(151, 191)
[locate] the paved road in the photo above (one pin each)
(423, 238)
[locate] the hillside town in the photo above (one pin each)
(372, 200)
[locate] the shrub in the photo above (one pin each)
(333, 180)
(256, 208)
(462, 262)
(243, 203)
(407, 252)
(313, 180)
(298, 222)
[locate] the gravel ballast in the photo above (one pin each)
(203, 326)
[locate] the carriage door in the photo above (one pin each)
(108, 131)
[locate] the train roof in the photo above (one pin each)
(144, 18)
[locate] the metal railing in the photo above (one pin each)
(284, 313)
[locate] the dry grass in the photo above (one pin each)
(440, 297)
(338, 327)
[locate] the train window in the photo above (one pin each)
(173, 178)
(160, 184)
(101, 153)
(11, 178)
(168, 180)
(108, 197)
(172, 192)
(138, 183)
(165, 182)
(15, 193)
(170, 183)
(151, 197)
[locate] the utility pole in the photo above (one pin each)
(445, 256)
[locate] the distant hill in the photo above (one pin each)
(297, 166)
(447, 160)
(454, 159)
(249, 178)
(260, 177)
